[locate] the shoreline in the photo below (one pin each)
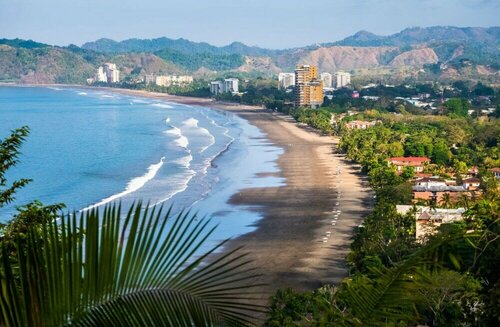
(307, 225)
(305, 232)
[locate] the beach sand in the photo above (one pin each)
(305, 233)
(307, 225)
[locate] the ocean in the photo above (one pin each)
(88, 148)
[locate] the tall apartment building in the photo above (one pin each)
(108, 73)
(308, 88)
(231, 85)
(101, 75)
(216, 87)
(228, 85)
(326, 78)
(342, 79)
(285, 80)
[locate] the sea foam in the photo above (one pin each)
(162, 105)
(192, 123)
(181, 140)
(132, 186)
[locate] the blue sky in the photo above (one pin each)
(267, 23)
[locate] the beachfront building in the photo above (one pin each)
(229, 85)
(286, 80)
(100, 75)
(173, 80)
(308, 88)
(108, 73)
(429, 219)
(327, 80)
(216, 87)
(342, 79)
(418, 163)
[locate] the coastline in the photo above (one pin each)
(302, 239)
(325, 196)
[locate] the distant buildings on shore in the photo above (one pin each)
(228, 85)
(108, 73)
(308, 88)
(342, 79)
(168, 80)
(327, 80)
(286, 80)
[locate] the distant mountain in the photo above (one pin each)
(441, 52)
(27, 44)
(481, 45)
(180, 45)
(419, 35)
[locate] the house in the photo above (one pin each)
(436, 192)
(429, 219)
(472, 171)
(496, 172)
(417, 163)
(472, 183)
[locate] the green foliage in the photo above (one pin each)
(457, 107)
(9, 153)
(111, 269)
(318, 118)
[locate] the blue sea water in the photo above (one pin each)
(88, 148)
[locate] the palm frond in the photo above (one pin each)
(374, 301)
(140, 269)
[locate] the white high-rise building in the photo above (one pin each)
(216, 87)
(286, 80)
(327, 80)
(101, 75)
(342, 79)
(231, 85)
(227, 85)
(108, 73)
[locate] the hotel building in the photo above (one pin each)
(342, 79)
(326, 78)
(108, 73)
(285, 80)
(308, 89)
(228, 85)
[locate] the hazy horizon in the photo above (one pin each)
(261, 23)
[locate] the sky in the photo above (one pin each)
(266, 23)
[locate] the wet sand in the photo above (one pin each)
(307, 224)
(305, 233)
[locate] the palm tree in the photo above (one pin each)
(445, 200)
(141, 269)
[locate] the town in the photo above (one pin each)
(440, 189)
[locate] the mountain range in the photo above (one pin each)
(441, 52)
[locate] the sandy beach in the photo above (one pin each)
(305, 233)
(306, 230)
